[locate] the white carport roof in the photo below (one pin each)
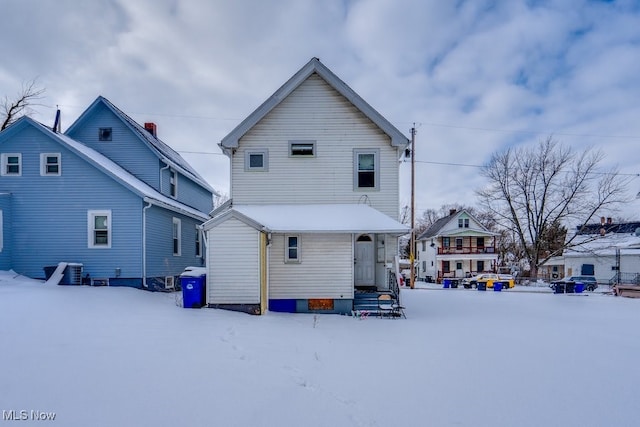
(318, 218)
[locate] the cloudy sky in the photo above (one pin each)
(475, 76)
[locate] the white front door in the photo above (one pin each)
(364, 261)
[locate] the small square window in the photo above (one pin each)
(256, 160)
(302, 149)
(50, 164)
(104, 134)
(12, 164)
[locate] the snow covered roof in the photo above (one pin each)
(167, 154)
(604, 245)
(315, 218)
(117, 172)
(314, 66)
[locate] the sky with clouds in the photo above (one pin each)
(475, 76)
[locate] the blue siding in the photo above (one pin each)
(5, 253)
(160, 259)
(189, 192)
(125, 147)
(49, 213)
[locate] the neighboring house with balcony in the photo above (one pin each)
(314, 207)
(456, 246)
(107, 196)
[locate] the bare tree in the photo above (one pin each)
(12, 109)
(535, 192)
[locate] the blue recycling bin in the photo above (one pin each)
(579, 287)
(497, 286)
(193, 291)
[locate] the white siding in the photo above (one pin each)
(315, 111)
(325, 270)
(234, 264)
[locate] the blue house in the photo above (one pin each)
(107, 196)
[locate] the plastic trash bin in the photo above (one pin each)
(482, 286)
(570, 288)
(559, 288)
(497, 286)
(579, 287)
(446, 283)
(193, 291)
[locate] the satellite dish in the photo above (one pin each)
(637, 232)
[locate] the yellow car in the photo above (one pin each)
(490, 278)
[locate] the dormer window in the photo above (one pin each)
(104, 134)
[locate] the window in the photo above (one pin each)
(256, 160)
(292, 249)
(480, 266)
(302, 148)
(50, 164)
(446, 267)
(177, 231)
(104, 134)
(459, 243)
(12, 164)
(424, 265)
(198, 242)
(446, 242)
(173, 183)
(458, 266)
(463, 222)
(99, 229)
(587, 270)
(424, 245)
(480, 242)
(366, 169)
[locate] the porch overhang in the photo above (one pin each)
(321, 218)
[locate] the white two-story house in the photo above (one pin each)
(457, 246)
(314, 205)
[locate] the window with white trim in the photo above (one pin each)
(256, 160)
(11, 164)
(177, 240)
(302, 148)
(292, 248)
(99, 228)
(173, 183)
(50, 164)
(198, 242)
(366, 169)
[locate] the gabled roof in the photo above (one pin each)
(437, 226)
(109, 167)
(314, 218)
(313, 66)
(165, 153)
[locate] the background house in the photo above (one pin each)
(314, 202)
(457, 245)
(608, 251)
(107, 195)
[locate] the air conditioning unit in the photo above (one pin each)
(169, 283)
(74, 272)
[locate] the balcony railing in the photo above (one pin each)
(466, 250)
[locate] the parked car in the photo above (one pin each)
(490, 278)
(589, 282)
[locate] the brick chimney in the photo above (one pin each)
(609, 221)
(152, 129)
(601, 220)
(452, 211)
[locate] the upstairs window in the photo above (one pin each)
(104, 134)
(198, 243)
(302, 149)
(463, 222)
(11, 164)
(173, 183)
(366, 169)
(99, 229)
(458, 243)
(256, 160)
(50, 164)
(480, 242)
(446, 242)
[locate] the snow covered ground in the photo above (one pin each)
(125, 357)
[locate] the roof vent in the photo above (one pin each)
(151, 128)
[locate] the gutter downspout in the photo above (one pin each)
(163, 169)
(206, 263)
(144, 244)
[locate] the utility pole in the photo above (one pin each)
(412, 250)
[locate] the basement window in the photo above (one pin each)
(302, 149)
